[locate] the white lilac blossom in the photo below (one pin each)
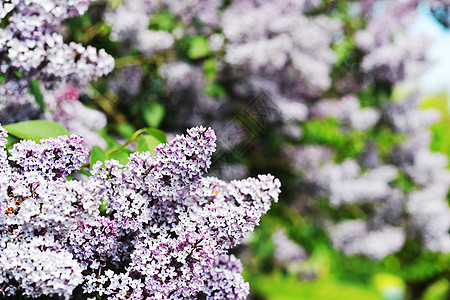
(165, 233)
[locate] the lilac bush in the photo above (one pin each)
(393, 214)
(164, 234)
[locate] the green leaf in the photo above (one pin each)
(102, 208)
(198, 47)
(153, 114)
(149, 142)
(158, 134)
(10, 141)
(36, 129)
(125, 129)
(210, 69)
(163, 21)
(97, 154)
(36, 92)
(215, 90)
(120, 153)
(121, 156)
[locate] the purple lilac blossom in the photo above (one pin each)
(31, 45)
(165, 233)
(181, 221)
(38, 209)
(54, 157)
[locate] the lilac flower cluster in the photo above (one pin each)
(38, 207)
(31, 45)
(32, 48)
(55, 157)
(281, 44)
(164, 235)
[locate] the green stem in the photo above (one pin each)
(132, 139)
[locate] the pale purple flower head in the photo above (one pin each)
(165, 233)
